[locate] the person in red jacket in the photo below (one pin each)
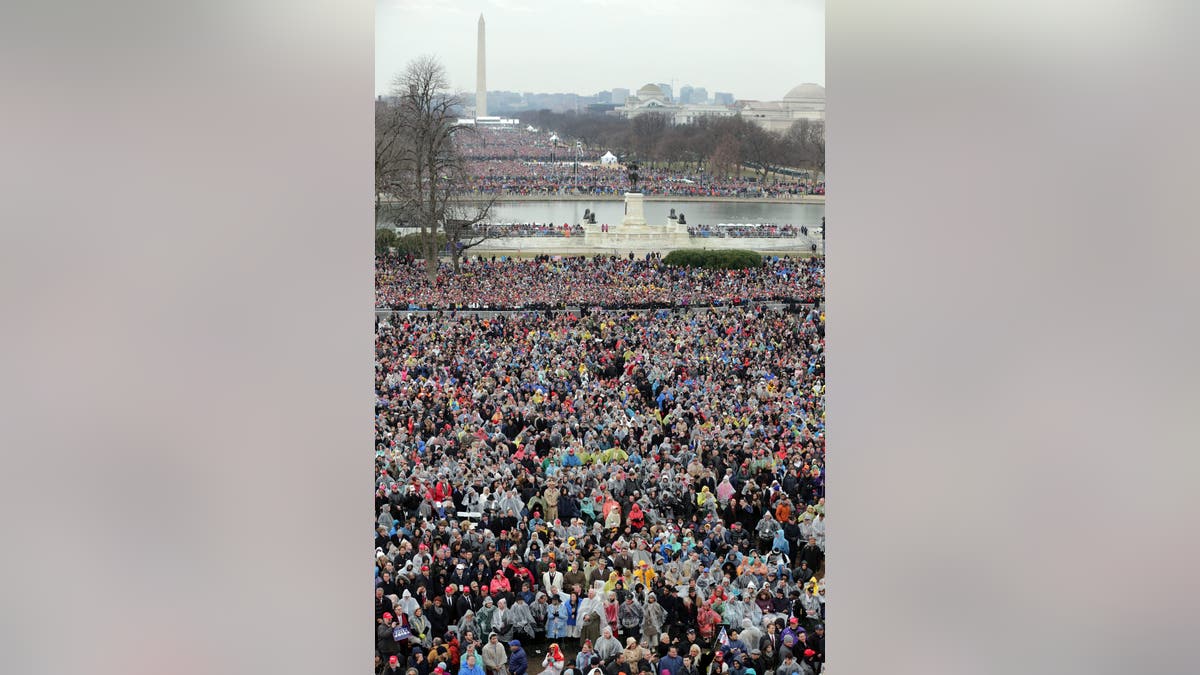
(637, 519)
(500, 584)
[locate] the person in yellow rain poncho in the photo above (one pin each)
(611, 584)
(613, 454)
(645, 574)
(706, 499)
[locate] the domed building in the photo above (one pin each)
(804, 101)
(652, 99)
(651, 92)
(804, 93)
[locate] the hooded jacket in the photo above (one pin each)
(494, 656)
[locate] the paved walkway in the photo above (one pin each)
(799, 199)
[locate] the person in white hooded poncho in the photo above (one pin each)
(751, 611)
(590, 615)
(653, 618)
(734, 612)
(468, 622)
(521, 619)
(385, 518)
(408, 604)
(607, 647)
(511, 502)
(818, 530)
(501, 623)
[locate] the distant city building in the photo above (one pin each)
(666, 90)
(600, 108)
(604, 97)
(685, 94)
(690, 114)
(699, 95)
(620, 95)
(723, 98)
(557, 102)
(504, 100)
(805, 101)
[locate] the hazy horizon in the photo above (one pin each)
(758, 50)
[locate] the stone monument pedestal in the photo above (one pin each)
(635, 214)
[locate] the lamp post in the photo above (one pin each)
(575, 164)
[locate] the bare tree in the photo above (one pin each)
(806, 140)
(647, 130)
(424, 171)
(672, 147)
(725, 156)
(462, 219)
(816, 141)
(387, 156)
(761, 148)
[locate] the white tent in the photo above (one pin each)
(608, 158)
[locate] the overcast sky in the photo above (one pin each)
(756, 49)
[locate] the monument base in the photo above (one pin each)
(635, 213)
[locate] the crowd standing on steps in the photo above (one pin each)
(599, 281)
(619, 492)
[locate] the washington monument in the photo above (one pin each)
(480, 76)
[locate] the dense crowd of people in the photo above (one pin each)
(601, 281)
(767, 230)
(518, 143)
(603, 492)
(530, 230)
(544, 179)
